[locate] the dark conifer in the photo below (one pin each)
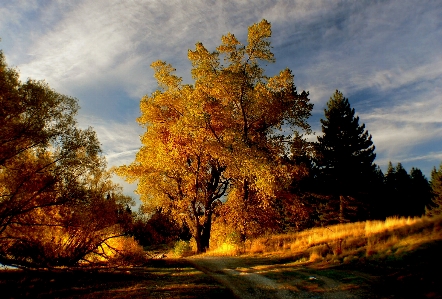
(345, 162)
(420, 193)
(406, 194)
(435, 207)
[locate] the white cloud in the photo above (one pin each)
(389, 79)
(120, 141)
(390, 48)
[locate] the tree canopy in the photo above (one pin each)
(220, 138)
(54, 185)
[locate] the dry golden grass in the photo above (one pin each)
(346, 242)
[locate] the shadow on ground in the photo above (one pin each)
(158, 279)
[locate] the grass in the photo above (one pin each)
(344, 243)
(398, 257)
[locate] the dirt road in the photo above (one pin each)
(254, 279)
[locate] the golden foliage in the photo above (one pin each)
(222, 135)
(53, 179)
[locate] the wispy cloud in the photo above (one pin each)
(383, 55)
(120, 141)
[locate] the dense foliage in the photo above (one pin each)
(57, 202)
(221, 137)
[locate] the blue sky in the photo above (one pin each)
(385, 56)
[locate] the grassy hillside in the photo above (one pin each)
(346, 242)
(395, 258)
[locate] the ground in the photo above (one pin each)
(257, 278)
(413, 275)
(169, 278)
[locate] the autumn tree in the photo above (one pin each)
(345, 162)
(297, 204)
(220, 138)
(53, 179)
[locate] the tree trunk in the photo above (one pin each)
(205, 232)
(202, 236)
(197, 237)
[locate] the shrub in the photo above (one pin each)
(182, 248)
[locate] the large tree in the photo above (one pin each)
(220, 137)
(53, 179)
(345, 160)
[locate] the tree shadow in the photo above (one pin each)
(157, 279)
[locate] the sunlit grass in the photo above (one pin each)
(345, 242)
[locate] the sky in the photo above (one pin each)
(384, 56)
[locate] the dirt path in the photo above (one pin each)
(245, 285)
(249, 281)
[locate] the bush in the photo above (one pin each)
(119, 251)
(182, 248)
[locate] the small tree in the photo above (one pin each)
(345, 162)
(435, 207)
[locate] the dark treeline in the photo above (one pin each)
(344, 184)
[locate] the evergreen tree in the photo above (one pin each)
(390, 195)
(420, 194)
(402, 188)
(377, 200)
(345, 162)
(435, 207)
(406, 194)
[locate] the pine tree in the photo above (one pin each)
(420, 194)
(435, 208)
(377, 199)
(390, 196)
(405, 194)
(345, 161)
